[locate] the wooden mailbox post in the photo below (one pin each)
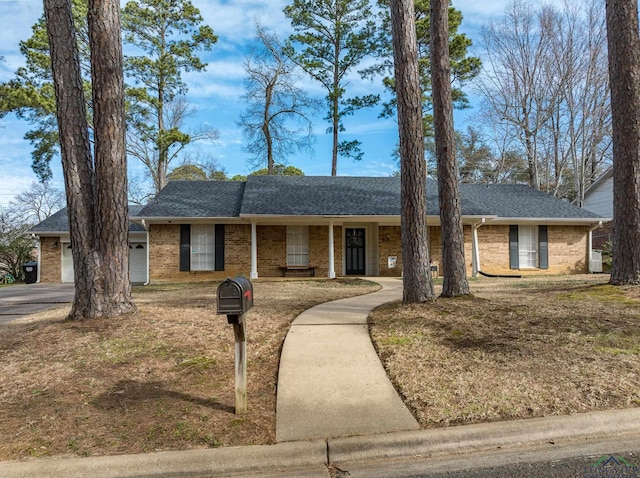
(235, 298)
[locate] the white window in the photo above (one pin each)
(297, 245)
(203, 247)
(528, 246)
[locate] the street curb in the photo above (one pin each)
(311, 455)
(484, 436)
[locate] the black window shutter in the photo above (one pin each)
(185, 247)
(514, 262)
(544, 247)
(219, 260)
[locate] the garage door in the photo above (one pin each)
(137, 262)
(67, 263)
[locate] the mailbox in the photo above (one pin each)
(235, 298)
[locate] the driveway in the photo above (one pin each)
(20, 300)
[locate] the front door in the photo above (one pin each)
(354, 251)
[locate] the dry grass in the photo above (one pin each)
(518, 349)
(160, 379)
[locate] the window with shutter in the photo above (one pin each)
(528, 247)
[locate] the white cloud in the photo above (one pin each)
(234, 20)
(17, 17)
(479, 12)
(371, 126)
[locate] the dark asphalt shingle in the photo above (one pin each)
(321, 196)
(332, 196)
(517, 201)
(380, 196)
(59, 222)
(196, 199)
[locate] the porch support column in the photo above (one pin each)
(590, 251)
(332, 267)
(475, 249)
(254, 251)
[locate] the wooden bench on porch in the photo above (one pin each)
(298, 271)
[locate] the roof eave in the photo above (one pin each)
(550, 220)
(47, 233)
(182, 219)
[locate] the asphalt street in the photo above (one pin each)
(19, 300)
(581, 459)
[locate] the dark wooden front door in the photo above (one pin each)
(355, 251)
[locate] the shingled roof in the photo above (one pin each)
(321, 196)
(380, 196)
(191, 199)
(59, 222)
(333, 196)
(517, 201)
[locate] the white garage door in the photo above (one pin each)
(67, 263)
(137, 262)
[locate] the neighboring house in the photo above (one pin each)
(54, 251)
(598, 198)
(341, 226)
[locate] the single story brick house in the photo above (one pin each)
(270, 226)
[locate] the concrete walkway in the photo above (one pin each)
(331, 382)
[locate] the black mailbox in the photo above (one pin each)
(235, 298)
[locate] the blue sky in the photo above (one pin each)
(216, 94)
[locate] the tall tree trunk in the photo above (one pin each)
(418, 286)
(334, 98)
(624, 73)
(336, 129)
(75, 150)
(453, 265)
(265, 125)
(163, 152)
(96, 202)
(112, 212)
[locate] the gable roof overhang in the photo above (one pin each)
(58, 224)
(606, 175)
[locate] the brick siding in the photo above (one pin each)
(319, 249)
(164, 254)
(272, 250)
(567, 250)
(389, 244)
(50, 260)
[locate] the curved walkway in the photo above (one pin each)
(331, 382)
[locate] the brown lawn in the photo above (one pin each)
(520, 348)
(163, 378)
(160, 379)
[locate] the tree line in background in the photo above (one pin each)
(544, 114)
